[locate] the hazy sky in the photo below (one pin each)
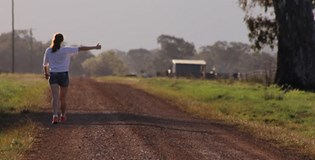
(127, 24)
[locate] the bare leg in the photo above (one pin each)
(55, 98)
(63, 97)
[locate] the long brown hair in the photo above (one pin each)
(56, 42)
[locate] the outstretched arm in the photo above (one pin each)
(86, 48)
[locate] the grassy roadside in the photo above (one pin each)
(285, 119)
(19, 93)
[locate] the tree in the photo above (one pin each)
(176, 48)
(76, 63)
(106, 63)
(28, 58)
(5, 52)
(292, 29)
(140, 60)
(172, 48)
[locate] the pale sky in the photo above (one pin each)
(128, 24)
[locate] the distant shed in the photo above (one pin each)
(188, 68)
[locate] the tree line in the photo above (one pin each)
(224, 57)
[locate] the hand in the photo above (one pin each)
(98, 46)
(46, 76)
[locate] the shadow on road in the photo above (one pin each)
(120, 118)
(11, 120)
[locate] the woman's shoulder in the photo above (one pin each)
(48, 49)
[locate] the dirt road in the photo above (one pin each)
(114, 121)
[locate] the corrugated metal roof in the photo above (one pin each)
(184, 61)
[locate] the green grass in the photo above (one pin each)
(286, 119)
(18, 93)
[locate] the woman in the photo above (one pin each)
(56, 66)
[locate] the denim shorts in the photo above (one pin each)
(60, 78)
